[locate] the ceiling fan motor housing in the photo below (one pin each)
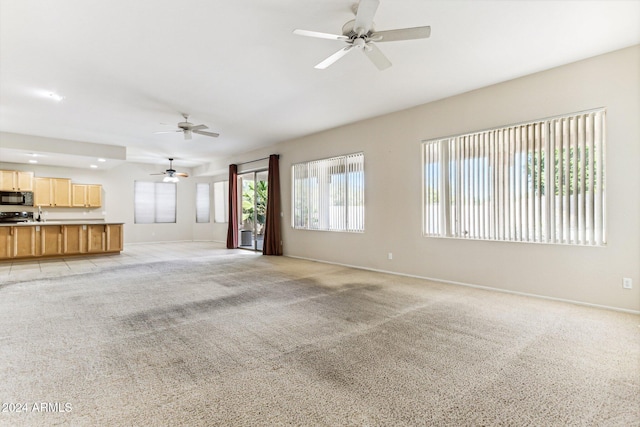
(348, 30)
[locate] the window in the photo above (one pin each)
(328, 194)
(202, 203)
(154, 202)
(542, 181)
(221, 201)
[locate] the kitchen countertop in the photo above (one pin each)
(31, 223)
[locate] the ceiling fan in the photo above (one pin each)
(171, 174)
(360, 34)
(188, 128)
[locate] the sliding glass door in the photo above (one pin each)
(252, 187)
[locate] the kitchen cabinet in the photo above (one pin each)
(24, 242)
(72, 237)
(16, 181)
(50, 240)
(96, 238)
(86, 195)
(17, 242)
(42, 192)
(53, 192)
(115, 237)
(5, 242)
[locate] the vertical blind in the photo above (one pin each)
(154, 202)
(542, 181)
(328, 194)
(202, 202)
(221, 201)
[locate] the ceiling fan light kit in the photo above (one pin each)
(171, 174)
(360, 34)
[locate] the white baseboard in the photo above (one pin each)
(471, 285)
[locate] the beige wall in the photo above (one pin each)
(392, 147)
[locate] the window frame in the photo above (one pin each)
(500, 185)
(153, 199)
(318, 207)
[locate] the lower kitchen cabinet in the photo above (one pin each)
(115, 237)
(6, 250)
(32, 241)
(50, 240)
(96, 238)
(24, 242)
(72, 239)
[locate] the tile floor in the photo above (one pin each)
(132, 254)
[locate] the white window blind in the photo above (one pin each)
(154, 202)
(542, 181)
(328, 194)
(221, 201)
(202, 202)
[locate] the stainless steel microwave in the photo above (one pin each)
(21, 198)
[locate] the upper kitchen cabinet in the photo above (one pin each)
(53, 192)
(86, 195)
(16, 181)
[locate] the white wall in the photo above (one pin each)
(392, 147)
(117, 201)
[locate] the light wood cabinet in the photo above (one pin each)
(72, 238)
(16, 181)
(86, 195)
(115, 237)
(6, 250)
(96, 238)
(16, 242)
(42, 192)
(54, 192)
(42, 240)
(24, 241)
(61, 192)
(50, 240)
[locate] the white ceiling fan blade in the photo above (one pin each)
(333, 58)
(198, 127)
(168, 131)
(182, 174)
(202, 132)
(319, 35)
(402, 34)
(377, 57)
(364, 17)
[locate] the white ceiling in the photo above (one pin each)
(129, 68)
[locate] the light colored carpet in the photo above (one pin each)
(242, 340)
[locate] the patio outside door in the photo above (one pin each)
(253, 199)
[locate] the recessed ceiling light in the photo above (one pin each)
(93, 166)
(102, 160)
(50, 95)
(33, 161)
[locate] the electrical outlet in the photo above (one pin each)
(390, 256)
(627, 283)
